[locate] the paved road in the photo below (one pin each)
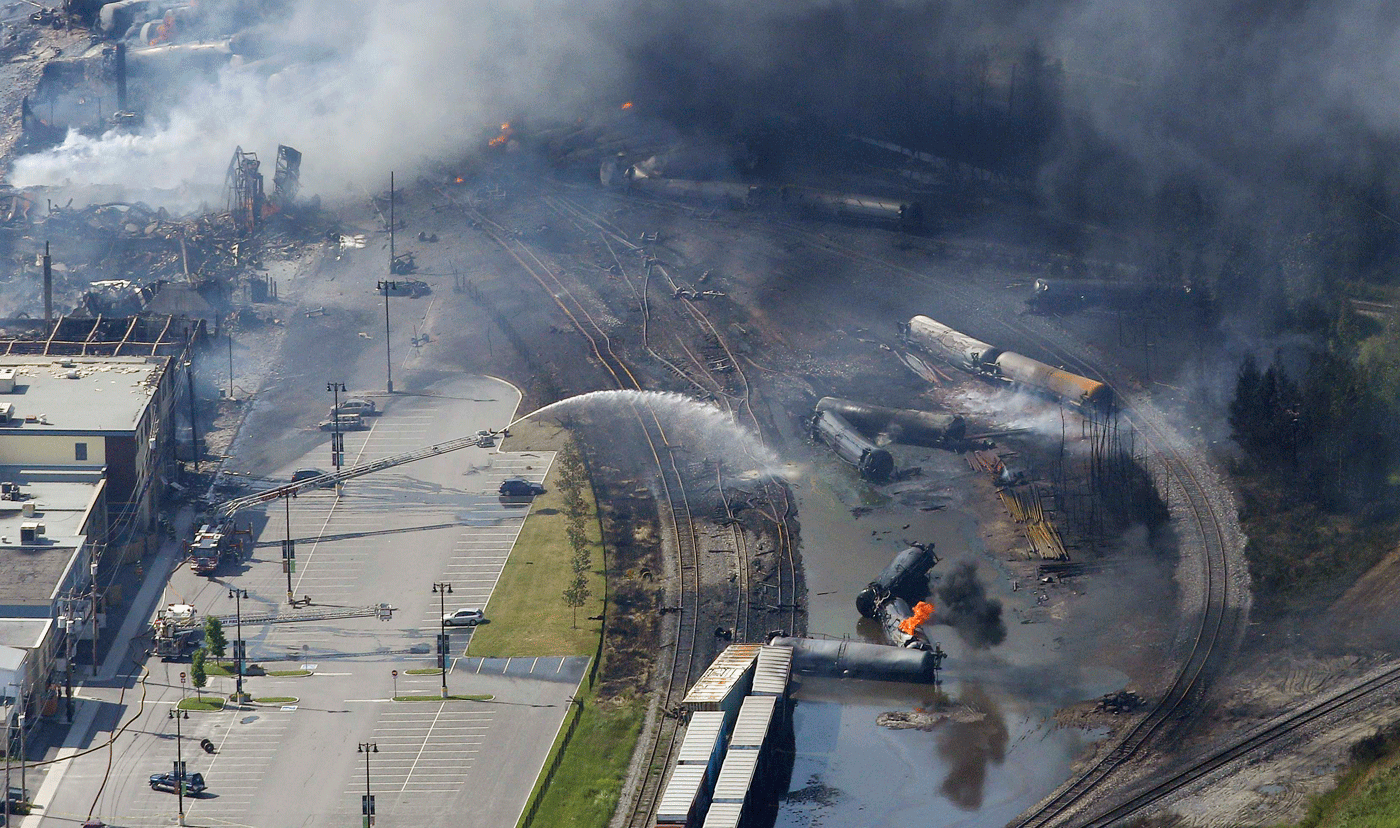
(384, 538)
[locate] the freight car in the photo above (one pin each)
(875, 464)
(906, 215)
(958, 348)
(1069, 295)
(1089, 396)
(905, 576)
(856, 659)
(985, 360)
(903, 425)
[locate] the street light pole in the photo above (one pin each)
(337, 439)
(367, 806)
(443, 590)
(177, 715)
(387, 286)
(288, 548)
(238, 595)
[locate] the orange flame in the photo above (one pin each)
(923, 611)
(506, 133)
(627, 105)
(459, 180)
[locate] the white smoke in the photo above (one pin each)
(363, 86)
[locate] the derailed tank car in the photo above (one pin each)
(1089, 396)
(903, 425)
(874, 463)
(965, 352)
(905, 576)
(856, 659)
(904, 214)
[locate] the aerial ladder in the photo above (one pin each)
(224, 512)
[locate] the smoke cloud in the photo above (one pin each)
(964, 605)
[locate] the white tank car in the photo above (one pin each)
(958, 348)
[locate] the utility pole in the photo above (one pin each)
(289, 549)
(443, 590)
(230, 360)
(388, 286)
(177, 715)
(48, 286)
(72, 650)
(239, 651)
(337, 439)
(194, 424)
(391, 222)
(92, 571)
(367, 804)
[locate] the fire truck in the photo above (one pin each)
(211, 547)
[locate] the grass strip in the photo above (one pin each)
(588, 782)
(424, 671)
(468, 697)
(527, 610)
(206, 703)
(288, 673)
(277, 700)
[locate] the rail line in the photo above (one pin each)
(776, 501)
(674, 508)
(1192, 676)
(1274, 731)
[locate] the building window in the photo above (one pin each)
(80, 451)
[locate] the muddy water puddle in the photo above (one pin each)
(990, 747)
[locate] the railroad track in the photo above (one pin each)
(776, 500)
(673, 509)
(1274, 731)
(1205, 650)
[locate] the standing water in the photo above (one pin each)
(709, 432)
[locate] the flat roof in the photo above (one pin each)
(31, 573)
(24, 633)
(108, 394)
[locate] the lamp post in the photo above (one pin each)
(443, 590)
(238, 651)
(337, 439)
(289, 549)
(177, 715)
(387, 286)
(367, 805)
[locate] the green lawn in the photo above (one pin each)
(205, 703)
(527, 612)
(276, 700)
(585, 789)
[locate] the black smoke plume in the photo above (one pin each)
(964, 605)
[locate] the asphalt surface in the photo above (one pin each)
(383, 539)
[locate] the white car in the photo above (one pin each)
(464, 617)
(355, 405)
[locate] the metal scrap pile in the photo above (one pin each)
(135, 240)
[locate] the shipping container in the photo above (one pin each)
(755, 719)
(704, 742)
(686, 797)
(736, 778)
(725, 815)
(772, 672)
(725, 682)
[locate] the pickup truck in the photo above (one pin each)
(194, 783)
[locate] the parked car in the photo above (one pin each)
(344, 422)
(520, 487)
(306, 474)
(194, 783)
(355, 405)
(486, 438)
(465, 617)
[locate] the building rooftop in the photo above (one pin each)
(31, 572)
(79, 394)
(23, 633)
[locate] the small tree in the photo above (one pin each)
(576, 594)
(214, 640)
(198, 678)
